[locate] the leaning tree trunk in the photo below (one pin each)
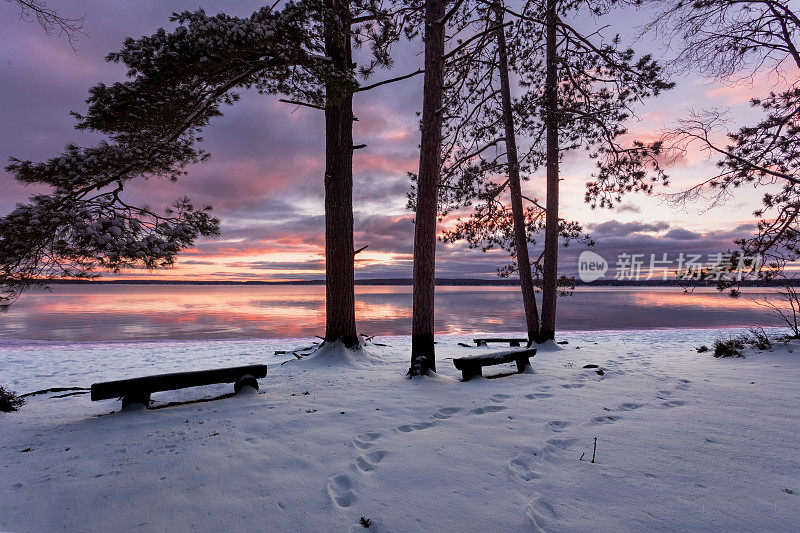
(520, 232)
(550, 271)
(339, 260)
(423, 357)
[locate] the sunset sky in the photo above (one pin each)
(265, 176)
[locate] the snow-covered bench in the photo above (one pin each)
(511, 342)
(138, 390)
(472, 366)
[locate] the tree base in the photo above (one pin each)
(545, 335)
(423, 355)
(350, 341)
(533, 336)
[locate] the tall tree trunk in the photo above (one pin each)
(423, 357)
(339, 260)
(520, 233)
(550, 273)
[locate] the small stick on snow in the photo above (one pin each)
(595, 449)
(54, 389)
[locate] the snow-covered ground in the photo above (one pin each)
(684, 441)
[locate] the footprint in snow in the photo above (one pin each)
(604, 419)
(445, 413)
(488, 409)
(630, 406)
(572, 385)
(537, 395)
(499, 398)
(673, 403)
(540, 514)
(554, 448)
(521, 468)
(557, 425)
(340, 490)
(370, 460)
(365, 440)
(407, 428)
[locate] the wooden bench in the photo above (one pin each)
(511, 342)
(138, 390)
(473, 365)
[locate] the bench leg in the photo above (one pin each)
(469, 373)
(481, 343)
(522, 364)
(136, 401)
(245, 381)
(513, 343)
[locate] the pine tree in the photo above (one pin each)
(729, 41)
(520, 231)
(591, 88)
(423, 356)
(178, 81)
(483, 120)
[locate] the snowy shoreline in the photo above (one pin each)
(685, 441)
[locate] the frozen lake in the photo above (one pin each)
(164, 312)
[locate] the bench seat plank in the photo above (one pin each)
(179, 380)
(472, 365)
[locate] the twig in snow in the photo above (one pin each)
(595, 449)
(71, 394)
(54, 389)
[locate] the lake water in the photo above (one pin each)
(138, 312)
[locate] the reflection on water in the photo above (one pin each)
(128, 312)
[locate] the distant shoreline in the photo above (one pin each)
(445, 282)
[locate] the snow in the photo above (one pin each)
(684, 441)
